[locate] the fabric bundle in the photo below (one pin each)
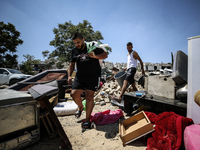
(169, 130)
(106, 117)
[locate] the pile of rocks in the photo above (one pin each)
(112, 87)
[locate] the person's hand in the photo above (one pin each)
(69, 80)
(92, 55)
(124, 69)
(143, 73)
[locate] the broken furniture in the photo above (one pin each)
(19, 120)
(154, 103)
(41, 93)
(60, 75)
(55, 78)
(134, 127)
(48, 125)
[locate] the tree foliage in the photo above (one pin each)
(48, 62)
(63, 43)
(9, 40)
(27, 65)
(45, 53)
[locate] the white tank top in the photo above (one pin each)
(131, 62)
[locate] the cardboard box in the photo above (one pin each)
(135, 127)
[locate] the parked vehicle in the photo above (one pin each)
(11, 76)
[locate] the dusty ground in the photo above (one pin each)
(103, 137)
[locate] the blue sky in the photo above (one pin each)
(155, 27)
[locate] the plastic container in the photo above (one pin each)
(120, 77)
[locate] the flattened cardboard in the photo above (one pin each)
(135, 127)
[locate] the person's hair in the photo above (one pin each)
(77, 35)
(129, 44)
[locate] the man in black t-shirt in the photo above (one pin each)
(87, 76)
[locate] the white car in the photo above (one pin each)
(11, 76)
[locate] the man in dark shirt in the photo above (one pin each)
(87, 76)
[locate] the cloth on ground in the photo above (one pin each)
(168, 131)
(106, 117)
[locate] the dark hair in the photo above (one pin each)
(129, 44)
(77, 35)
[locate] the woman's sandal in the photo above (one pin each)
(78, 113)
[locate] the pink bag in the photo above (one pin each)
(106, 117)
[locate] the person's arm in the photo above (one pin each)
(70, 71)
(136, 56)
(98, 56)
(98, 53)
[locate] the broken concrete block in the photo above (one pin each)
(97, 103)
(101, 99)
(106, 100)
(107, 90)
(111, 92)
(102, 103)
(160, 85)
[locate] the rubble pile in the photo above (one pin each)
(111, 87)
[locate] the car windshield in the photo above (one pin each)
(14, 71)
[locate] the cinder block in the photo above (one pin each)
(160, 85)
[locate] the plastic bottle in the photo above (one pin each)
(84, 104)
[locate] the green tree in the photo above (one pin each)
(50, 61)
(9, 40)
(45, 54)
(63, 43)
(27, 65)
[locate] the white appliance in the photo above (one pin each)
(193, 110)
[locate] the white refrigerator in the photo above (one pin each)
(193, 110)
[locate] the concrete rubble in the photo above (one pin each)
(111, 87)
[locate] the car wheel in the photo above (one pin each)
(13, 81)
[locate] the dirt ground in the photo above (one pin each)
(103, 137)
